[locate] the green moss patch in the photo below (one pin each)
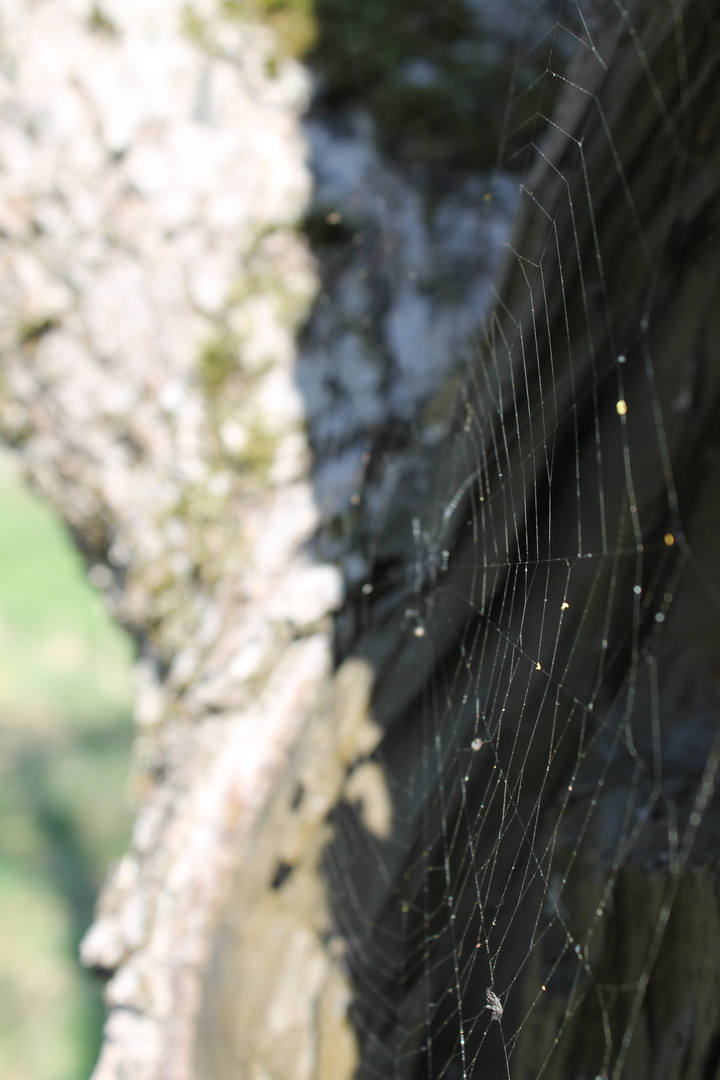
(293, 21)
(219, 359)
(257, 456)
(31, 331)
(101, 23)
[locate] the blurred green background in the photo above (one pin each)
(65, 734)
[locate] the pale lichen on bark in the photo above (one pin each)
(150, 184)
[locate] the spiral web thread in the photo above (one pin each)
(546, 808)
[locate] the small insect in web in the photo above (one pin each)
(494, 1004)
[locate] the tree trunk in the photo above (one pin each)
(495, 770)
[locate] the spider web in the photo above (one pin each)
(550, 712)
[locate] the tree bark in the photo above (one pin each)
(325, 876)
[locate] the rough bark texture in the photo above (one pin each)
(123, 268)
(226, 486)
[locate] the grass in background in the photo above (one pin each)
(65, 737)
